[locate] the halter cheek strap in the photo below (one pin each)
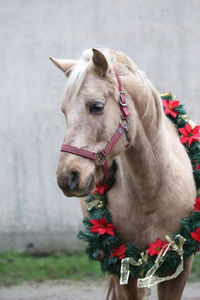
(99, 158)
(122, 98)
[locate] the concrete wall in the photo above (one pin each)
(161, 36)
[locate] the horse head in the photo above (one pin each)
(92, 114)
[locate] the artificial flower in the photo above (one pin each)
(189, 135)
(155, 248)
(197, 167)
(101, 188)
(119, 252)
(196, 235)
(169, 107)
(197, 204)
(101, 227)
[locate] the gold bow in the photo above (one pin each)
(151, 279)
(124, 272)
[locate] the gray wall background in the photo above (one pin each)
(163, 37)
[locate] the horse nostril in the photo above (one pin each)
(74, 180)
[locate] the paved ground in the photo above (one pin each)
(70, 290)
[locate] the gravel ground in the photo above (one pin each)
(70, 290)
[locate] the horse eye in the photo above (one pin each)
(96, 107)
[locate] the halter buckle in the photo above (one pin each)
(120, 99)
(99, 159)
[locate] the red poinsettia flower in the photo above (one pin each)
(101, 188)
(154, 248)
(196, 235)
(197, 204)
(189, 134)
(169, 107)
(119, 252)
(101, 227)
(197, 167)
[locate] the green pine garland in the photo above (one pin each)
(102, 246)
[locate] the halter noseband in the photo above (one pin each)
(99, 158)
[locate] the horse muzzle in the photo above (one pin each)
(71, 185)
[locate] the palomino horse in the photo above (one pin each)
(147, 201)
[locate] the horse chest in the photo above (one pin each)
(133, 225)
(139, 225)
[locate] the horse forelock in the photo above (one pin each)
(77, 74)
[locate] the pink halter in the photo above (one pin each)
(99, 158)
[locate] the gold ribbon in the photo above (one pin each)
(188, 120)
(125, 272)
(96, 202)
(151, 279)
(167, 94)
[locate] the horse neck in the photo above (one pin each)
(145, 163)
(142, 168)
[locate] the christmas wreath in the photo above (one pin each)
(104, 242)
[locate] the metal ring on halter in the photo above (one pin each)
(122, 121)
(119, 98)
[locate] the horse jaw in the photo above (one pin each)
(64, 65)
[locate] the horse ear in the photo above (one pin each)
(100, 62)
(65, 65)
